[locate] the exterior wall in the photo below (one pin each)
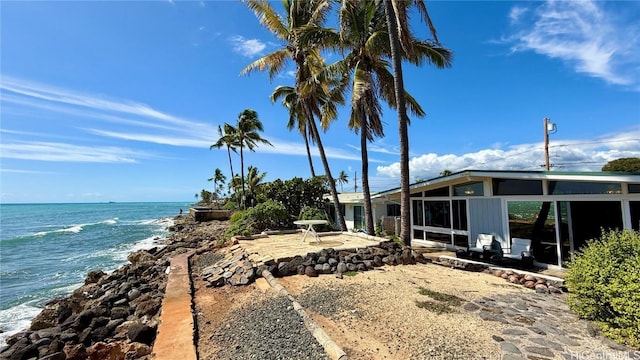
(486, 217)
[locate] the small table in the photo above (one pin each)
(309, 224)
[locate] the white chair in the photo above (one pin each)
(484, 245)
(521, 251)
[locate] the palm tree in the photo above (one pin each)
(303, 36)
(227, 138)
(342, 179)
(296, 116)
(218, 182)
(247, 136)
(397, 23)
(363, 32)
(254, 178)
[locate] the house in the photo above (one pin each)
(558, 211)
(352, 206)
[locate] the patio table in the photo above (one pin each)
(310, 224)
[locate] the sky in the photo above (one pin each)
(120, 101)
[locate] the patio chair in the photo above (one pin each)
(484, 245)
(520, 251)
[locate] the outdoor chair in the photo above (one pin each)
(485, 245)
(520, 251)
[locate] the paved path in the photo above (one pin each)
(540, 326)
(176, 330)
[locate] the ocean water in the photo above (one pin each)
(46, 250)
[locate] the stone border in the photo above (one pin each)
(330, 347)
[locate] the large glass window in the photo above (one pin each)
(437, 214)
(461, 240)
(418, 214)
(393, 210)
(459, 214)
(469, 189)
(634, 206)
(443, 191)
(517, 187)
(583, 187)
(441, 238)
(536, 221)
(634, 188)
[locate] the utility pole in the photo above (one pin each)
(355, 181)
(549, 128)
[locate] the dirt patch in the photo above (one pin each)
(377, 314)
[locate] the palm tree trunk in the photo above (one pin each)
(365, 180)
(242, 201)
(230, 163)
(405, 219)
(327, 170)
(306, 144)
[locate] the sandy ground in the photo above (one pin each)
(375, 314)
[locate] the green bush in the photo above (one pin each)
(603, 280)
(313, 213)
(269, 215)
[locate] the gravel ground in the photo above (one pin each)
(265, 328)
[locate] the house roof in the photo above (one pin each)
(471, 175)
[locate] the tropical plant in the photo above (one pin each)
(445, 172)
(363, 34)
(218, 183)
(254, 179)
(398, 25)
(303, 37)
(247, 135)
(342, 179)
(296, 116)
(227, 138)
(270, 215)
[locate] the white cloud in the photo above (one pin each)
(584, 34)
(49, 151)
(247, 47)
(565, 155)
(516, 13)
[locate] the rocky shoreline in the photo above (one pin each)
(111, 316)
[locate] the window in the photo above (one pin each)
(443, 191)
(517, 187)
(418, 214)
(469, 189)
(459, 214)
(583, 187)
(393, 210)
(418, 194)
(418, 234)
(634, 188)
(358, 218)
(437, 237)
(461, 240)
(437, 214)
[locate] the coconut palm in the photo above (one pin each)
(227, 138)
(247, 136)
(397, 23)
(363, 31)
(296, 116)
(342, 179)
(218, 182)
(254, 179)
(303, 35)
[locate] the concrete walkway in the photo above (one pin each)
(175, 339)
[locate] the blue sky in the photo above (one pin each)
(119, 101)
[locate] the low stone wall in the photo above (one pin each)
(540, 284)
(235, 267)
(203, 214)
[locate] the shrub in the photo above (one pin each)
(604, 284)
(266, 216)
(313, 213)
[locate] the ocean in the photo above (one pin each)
(46, 250)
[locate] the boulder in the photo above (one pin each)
(142, 333)
(310, 271)
(94, 276)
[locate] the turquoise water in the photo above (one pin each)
(46, 250)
